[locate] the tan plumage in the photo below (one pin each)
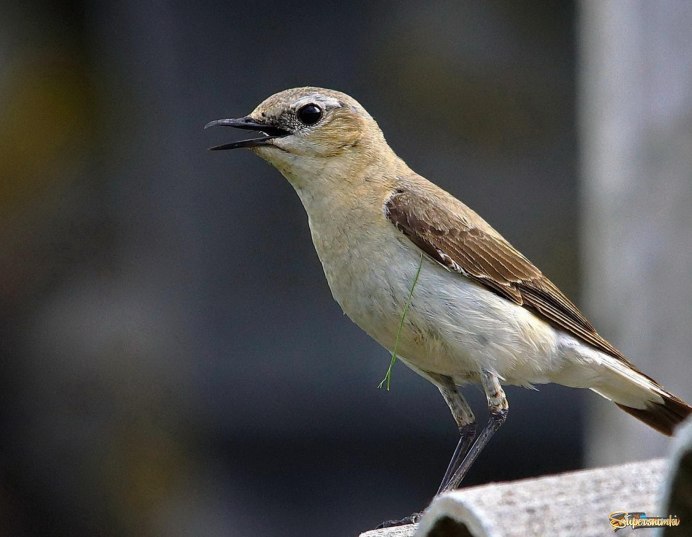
(463, 242)
(481, 312)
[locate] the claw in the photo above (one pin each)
(411, 519)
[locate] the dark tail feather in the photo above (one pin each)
(663, 417)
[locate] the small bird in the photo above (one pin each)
(429, 279)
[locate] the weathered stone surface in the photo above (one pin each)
(575, 504)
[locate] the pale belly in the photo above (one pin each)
(453, 326)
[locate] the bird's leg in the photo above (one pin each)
(463, 415)
(465, 420)
(498, 407)
(470, 445)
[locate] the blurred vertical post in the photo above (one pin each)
(636, 139)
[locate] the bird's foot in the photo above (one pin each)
(411, 519)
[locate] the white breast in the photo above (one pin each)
(454, 326)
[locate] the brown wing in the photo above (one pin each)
(478, 252)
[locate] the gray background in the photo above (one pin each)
(172, 360)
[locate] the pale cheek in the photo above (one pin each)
(274, 155)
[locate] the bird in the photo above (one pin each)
(429, 279)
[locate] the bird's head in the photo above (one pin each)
(303, 129)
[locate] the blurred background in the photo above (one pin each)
(172, 361)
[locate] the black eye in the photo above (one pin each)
(309, 114)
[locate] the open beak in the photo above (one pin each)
(268, 132)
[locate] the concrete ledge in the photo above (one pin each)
(401, 531)
(574, 504)
(571, 504)
(677, 497)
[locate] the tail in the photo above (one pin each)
(665, 416)
(641, 396)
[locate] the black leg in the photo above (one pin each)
(467, 435)
(494, 423)
(499, 408)
(466, 422)
(411, 519)
(470, 445)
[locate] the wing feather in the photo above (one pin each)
(478, 252)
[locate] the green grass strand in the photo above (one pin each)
(388, 376)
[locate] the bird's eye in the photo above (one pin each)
(309, 114)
